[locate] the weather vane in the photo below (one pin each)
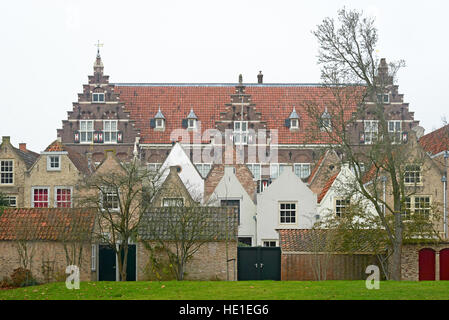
(98, 45)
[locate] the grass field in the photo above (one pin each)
(217, 290)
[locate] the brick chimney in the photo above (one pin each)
(6, 139)
(260, 78)
(23, 147)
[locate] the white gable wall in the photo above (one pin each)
(288, 187)
(189, 174)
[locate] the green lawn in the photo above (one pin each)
(216, 290)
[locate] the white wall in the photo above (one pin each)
(230, 188)
(189, 174)
(288, 187)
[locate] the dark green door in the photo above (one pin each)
(131, 263)
(258, 263)
(106, 263)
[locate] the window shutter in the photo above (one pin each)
(404, 137)
(362, 137)
(76, 137)
(96, 136)
(119, 136)
(287, 123)
(184, 123)
(100, 137)
(152, 123)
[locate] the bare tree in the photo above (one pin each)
(354, 76)
(121, 196)
(182, 231)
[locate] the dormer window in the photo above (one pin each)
(158, 122)
(191, 121)
(54, 163)
(325, 121)
(98, 97)
(293, 120)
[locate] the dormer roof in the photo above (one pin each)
(159, 114)
(294, 115)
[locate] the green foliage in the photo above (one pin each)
(156, 267)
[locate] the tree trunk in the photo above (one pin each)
(397, 247)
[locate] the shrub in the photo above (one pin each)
(6, 283)
(22, 277)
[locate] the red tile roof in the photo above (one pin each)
(275, 102)
(315, 169)
(436, 141)
(327, 186)
(49, 224)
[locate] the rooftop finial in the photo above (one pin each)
(240, 78)
(98, 45)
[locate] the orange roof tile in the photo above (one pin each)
(436, 141)
(326, 187)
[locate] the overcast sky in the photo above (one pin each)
(48, 50)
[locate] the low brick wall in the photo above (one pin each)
(307, 266)
(208, 263)
(410, 260)
(45, 255)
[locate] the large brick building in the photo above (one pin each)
(147, 118)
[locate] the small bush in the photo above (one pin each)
(22, 277)
(6, 282)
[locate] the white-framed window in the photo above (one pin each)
(240, 132)
(341, 206)
(154, 167)
(98, 97)
(412, 174)
(110, 131)
(383, 98)
(6, 171)
(287, 212)
(94, 258)
(53, 163)
(371, 131)
(269, 243)
(191, 123)
(63, 197)
(325, 124)
(86, 131)
(110, 199)
(417, 205)
(40, 197)
(302, 170)
(294, 124)
(276, 169)
(173, 202)
(395, 130)
(203, 168)
(255, 169)
(11, 201)
(160, 123)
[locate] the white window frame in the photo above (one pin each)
(325, 124)
(86, 131)
(173, 199)
(191, 123)
(32, 196)
(6, 172)
(371, 130)
(382, 96)
(410, 206)
(202, 168)
(240, 133)
(154, 167)
(295, 210)
(341, 206)
(98, 94)
(8, 199)
(56, 196)
(93, 265)
(296, 123)
(109, 132)
(159, 123)
(269, 240)
(104, 191)
(395, 133)
(301, 168)
(278, 167)
(251, 166)
(49, 162)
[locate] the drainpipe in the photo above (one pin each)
(444, 180)
(255, 236)
(384, 186)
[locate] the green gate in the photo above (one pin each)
(258, 263)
